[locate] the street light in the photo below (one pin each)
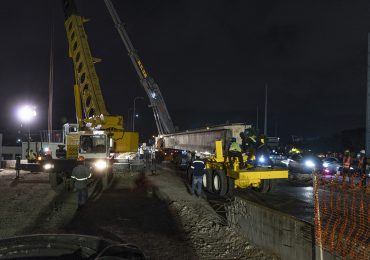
(129, 118)
(134, 113)
(26, 114)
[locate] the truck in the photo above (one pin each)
(98, 136)
(222, 174)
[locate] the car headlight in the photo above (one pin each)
(48, 166)
(100, 165)
(325, 164)
(261, 159)
(309, 164)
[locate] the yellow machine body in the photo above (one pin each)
(91, 112)
(243, 178)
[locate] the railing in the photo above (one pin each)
(56, 136)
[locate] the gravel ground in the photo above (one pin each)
(211, 237)
(22, 201)
(156, 213)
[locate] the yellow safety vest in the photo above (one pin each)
(234, 147)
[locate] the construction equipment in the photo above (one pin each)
(223, 174)
(98, 136)
(88, 95)
(161, 115)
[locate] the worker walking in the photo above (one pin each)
(235, 151)
(346, 164)
(81, 174)
(198, 167)
(361, 168)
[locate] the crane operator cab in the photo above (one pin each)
(95, 148)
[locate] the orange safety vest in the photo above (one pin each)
(347, 162)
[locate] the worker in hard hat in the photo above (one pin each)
(235, 152)
(81, 173)
(361, 167)
(198, 167)
(346, 164)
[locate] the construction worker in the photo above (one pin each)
(235, 151)
(81, 174)
(198, 167)
(346, 164)
(361, 167)
(31, 156)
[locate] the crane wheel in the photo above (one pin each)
(107, 179)
(219, 182)
(189, 175)
(55, 180)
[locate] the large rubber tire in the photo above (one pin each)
(189, 175)
(266, 186)
(219, 182)
(230, 186)
(55, 180)
(107, 179)
(207, 180)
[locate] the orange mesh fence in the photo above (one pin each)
(342, 215)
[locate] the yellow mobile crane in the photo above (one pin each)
(98, 136)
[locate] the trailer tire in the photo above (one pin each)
(265, 187)
(55, 180)
(207, 180)
(219, 182)
(230, 186)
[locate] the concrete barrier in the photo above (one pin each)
(10, 164)
(277, 232)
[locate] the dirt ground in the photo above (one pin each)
(157, 214)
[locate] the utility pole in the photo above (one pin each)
(51, 80)
(368, 100)
(265, 128)
(257, 120)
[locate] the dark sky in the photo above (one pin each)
(210, 58)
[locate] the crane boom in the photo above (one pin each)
(87, 91)
(161, 115)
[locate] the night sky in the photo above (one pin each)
(211, 60)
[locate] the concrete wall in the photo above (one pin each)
(11, 150)
(277, 232)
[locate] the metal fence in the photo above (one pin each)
(342, 215)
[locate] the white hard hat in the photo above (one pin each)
(197, 154)
(362, 151)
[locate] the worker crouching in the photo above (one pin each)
(81, 173)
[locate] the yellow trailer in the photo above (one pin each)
(222, 176)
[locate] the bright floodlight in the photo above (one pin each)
(26, 113)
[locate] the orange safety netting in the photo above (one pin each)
(342, 215)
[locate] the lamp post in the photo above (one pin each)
(129, 118)
(26, 114)
(134, 113)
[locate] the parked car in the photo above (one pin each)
(304, 163)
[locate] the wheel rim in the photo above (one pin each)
(216, 182)
(205, 180)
